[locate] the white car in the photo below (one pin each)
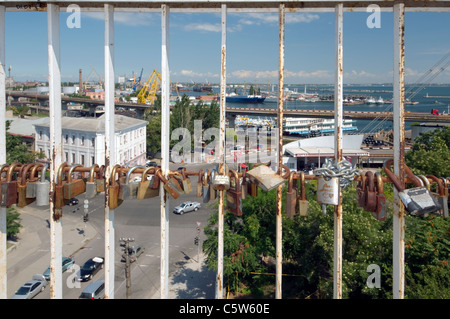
(31, 288)
(186, 207)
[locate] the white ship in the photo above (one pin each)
(308, 126)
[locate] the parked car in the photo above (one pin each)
(66, 263)
(186, 207)
(95, 290)
(73, 201)
(31, 288)
(150, 163)
(134, 252)
(90, 268)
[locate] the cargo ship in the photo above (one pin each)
(238, 98)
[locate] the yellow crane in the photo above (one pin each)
(148, 90)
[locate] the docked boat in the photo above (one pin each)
(370, 100)
(314, 126)
(238, 98)
(380, 100)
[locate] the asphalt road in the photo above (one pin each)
(137, 219)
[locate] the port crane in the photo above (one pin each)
(137, 83)
(148, 91)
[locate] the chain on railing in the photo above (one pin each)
(23, 184)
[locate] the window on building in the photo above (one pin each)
(73, 158)
(82, 140)
(73, 139)
(93, 142)
(82, 160)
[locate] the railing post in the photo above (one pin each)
(338, 111)
(110, 148)
(399, 149)
(54, 83)
(165, 135)
(279, 242)
(223, 78)
(3, 241)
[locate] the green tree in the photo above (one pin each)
(16, 151)
(430, 154)
(154, 135)
(12, 222)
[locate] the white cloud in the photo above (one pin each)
(265, 18)
(195, 75)
(248, 74)
(203, 27)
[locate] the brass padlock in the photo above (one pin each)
(187, 186)
(112, 189)
(380, 212)
(302, 201)
(100, 179)
(291, 197)
(58, 195)
(73, 187)
(145, 189)
(31, 184)
(233, 197)
(22, 199)
(91, 185)
(128, 189)
(9, 187)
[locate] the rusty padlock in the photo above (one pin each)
(370, 203)
(145, 188)
(361, 191)
(440, 196)
(9, 187)
(171, 186)
(22, 199)
(73, 187)
(302, 201)
(58, 194)
(380, 211)
(112, 189)
(291, 197)
(244, 186)
(233, 196)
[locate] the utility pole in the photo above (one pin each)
(125, 242)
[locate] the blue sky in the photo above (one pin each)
(252, 46)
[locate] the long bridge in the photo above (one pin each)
(232, 111)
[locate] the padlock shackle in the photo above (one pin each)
(392, 176)
(290, 182)
(59, 171)
(370, 183)
(43, 171)
(11, 171)
(23, 173)
(92, 172)
(127, 179)
(236, 178)
(379, 183)
(425, 181)
(205, 178)
(34, 170)
(302, 186)
(69, 176)
(413, 177)
(145, 172)
(213, 174)
(1, 170)
(439, 183)
(112, 176)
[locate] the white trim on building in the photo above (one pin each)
(83, 140)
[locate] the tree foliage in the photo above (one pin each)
(249, 243)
